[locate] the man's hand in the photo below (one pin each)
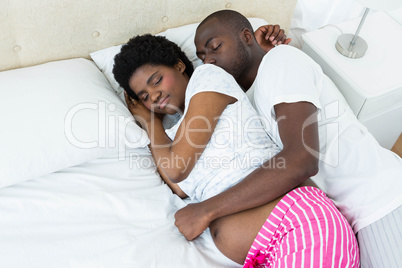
(192, 220)
(268, 36)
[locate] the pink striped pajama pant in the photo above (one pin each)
(305, 229)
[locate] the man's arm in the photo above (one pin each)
(298, 130)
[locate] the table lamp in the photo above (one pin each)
(353, 46)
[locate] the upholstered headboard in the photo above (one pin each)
(38, 31)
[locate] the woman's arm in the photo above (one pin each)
(270, 180)
(173, 186)
(178, 157)
(142, 114)
(193, 135)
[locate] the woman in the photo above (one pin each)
(218, 140)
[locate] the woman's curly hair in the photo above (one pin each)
(146, 49)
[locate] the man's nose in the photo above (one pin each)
(210, 60)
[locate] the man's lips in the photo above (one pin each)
(163, 102)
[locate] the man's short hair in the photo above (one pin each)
(234, 20)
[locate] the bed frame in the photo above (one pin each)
(39, 31)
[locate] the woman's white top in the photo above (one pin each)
(238, 145)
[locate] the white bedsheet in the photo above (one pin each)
(105, 213)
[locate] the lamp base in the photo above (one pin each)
(343, 45)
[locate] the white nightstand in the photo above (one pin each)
(372, 85)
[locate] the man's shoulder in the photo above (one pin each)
(285, 57)
(284, 49)
(283, 52)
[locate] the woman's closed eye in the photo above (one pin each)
(158, 80)
(144, 97)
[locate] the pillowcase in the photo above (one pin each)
(57, 115)
(183, 36)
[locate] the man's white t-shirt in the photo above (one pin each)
(363, 179)
(238, 145)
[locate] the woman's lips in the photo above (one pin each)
(163, 102)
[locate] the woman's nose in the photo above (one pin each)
(155, 96)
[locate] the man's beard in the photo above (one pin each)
(241, 63)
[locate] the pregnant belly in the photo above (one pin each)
(234, 234)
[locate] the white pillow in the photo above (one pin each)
(183, 36)
(57, 115)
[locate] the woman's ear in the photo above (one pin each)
(180, 66)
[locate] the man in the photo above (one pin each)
(319, 136)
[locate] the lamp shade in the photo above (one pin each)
(381, 4)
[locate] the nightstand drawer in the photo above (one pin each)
(381, 103)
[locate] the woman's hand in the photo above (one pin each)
(268, 36)
(141, 113)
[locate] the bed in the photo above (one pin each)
(78, 187)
